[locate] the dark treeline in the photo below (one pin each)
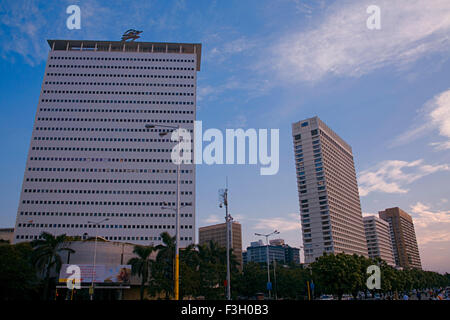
(26, 273)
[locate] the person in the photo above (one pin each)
(419, 295)
(405, 297)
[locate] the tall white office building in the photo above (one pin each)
(378, 239)
(328, 191)
(92, 166)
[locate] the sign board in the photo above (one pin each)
(269, 285)
(113, 274)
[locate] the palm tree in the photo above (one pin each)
(162, 277)
(141, 265)
(46, 255)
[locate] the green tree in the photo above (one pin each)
(162, 277)
(189, 272)
(46, 256)
(252, 280)
(141, 265)
(18, 276)
(291, 282)
(340, 273)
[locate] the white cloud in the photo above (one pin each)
(282, 224)
(342, 45)
(212, 218)
(225, 49)
(393, 176)
(431, 226)
(433, 116)
(239, 121)
(368, 214)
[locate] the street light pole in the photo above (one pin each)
(177, 214)
(95, 254)
(177, 238)
(267, 255)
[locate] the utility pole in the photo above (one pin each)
(223, 196)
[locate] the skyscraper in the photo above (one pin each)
(92, 166)
(378, 239)
(403, 237)
(328, 191)
(218, 234)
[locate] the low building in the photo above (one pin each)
(7, 234)
(278, 251)
(218, 234)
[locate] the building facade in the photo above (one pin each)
(403, 237)
(329, 201)
(218, 234)
(7, 234)
(278, 251)
(92, 166)
(378, 239)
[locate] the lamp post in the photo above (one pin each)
(267, 254)
(95, 253)
(177, 215)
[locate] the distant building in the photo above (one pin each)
(329, 201)
(7, 234)
(218, 233)
(278, 250)
(403, 237)
(378, 239)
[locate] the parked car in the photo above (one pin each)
(326, 297)
(347, 297)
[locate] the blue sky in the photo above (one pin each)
(266, 64)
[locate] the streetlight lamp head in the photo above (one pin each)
(149, 126)
(162, 134)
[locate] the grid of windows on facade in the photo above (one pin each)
(93, 167)
(327, 190)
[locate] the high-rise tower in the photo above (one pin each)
(378, 239)
(403, 237)
(328, 191)
(92, 166)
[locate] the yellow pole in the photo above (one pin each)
(309, 294)
(177, 277)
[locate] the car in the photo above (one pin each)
(347, 297)
(377, 296)
(326, 297)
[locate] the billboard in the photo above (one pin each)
(113, 274)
